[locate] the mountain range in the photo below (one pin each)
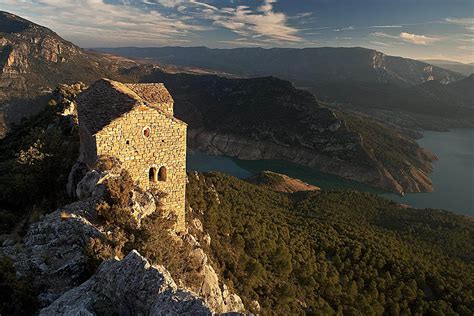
(304, 67)
(463, 68)
(353, 79)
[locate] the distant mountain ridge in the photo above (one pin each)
(465, 69)
(303, 66)
(391, 89)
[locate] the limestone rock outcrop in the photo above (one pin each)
(128, 287)
(52, 250)
(53, 254)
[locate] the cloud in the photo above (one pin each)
(417, 39)
(380, 43)
(386, 26)
(408, 38)
(349, 28)
(467, 23)
(242, 43)
(96, 22)
(384, 35)
(263, 21)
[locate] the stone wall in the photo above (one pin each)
(165, 146)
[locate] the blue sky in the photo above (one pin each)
(410, 28)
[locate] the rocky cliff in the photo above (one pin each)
(268, 118)
(57, 250)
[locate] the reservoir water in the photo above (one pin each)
(453, 175)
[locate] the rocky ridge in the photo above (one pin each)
(53, 253)
(268, 118)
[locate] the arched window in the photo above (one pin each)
(152, 174)
(162, 174)
(146, 132)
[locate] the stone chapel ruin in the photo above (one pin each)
(135, 124)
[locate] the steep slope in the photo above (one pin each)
(34, 60)
(429, 105)
(304, 67)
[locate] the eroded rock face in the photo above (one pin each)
(53, 254)
(129, 287)
(217, 295)
(53, 249)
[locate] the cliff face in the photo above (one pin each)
(34, 60)
(268, 118)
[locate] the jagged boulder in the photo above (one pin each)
(128, 287)
(88, 185)
(53, 249)
(142, 204)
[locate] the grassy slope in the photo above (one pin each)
(333, 252)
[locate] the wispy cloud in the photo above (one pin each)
(380, 43)
(386, 26)
(408, 38)
(263, 21)
(384, 35)
(97, 21)
(467, 23)
(348, 28)
(417, 39)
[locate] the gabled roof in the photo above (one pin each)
(106, 100)
(151, 92)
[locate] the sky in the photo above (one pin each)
(420, 29)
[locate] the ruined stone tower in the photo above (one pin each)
(134, 123)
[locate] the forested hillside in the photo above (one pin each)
(335, 252)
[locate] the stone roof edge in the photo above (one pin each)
(122, 88)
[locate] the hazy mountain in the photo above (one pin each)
(304, 67)
(462, 68)
(355, 79)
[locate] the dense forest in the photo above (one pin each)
(337, 252)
